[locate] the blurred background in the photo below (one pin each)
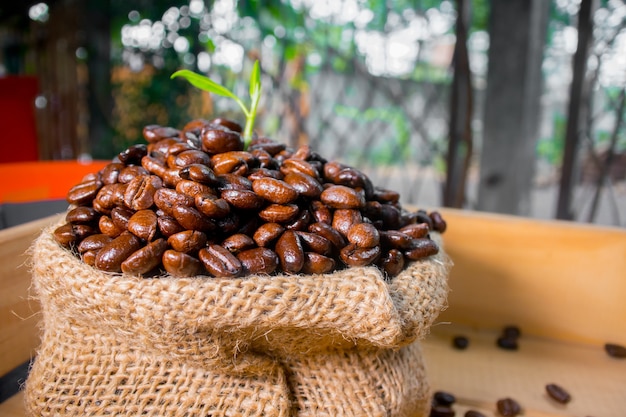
(503, 106)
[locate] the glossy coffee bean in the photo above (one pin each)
(82, 214)
(267, 233)
(315, 243)
(108, 227)
(140, 192)
(243, 199)
(444, 398)
(168, 225)
(180, 264)
(279, 213)
(154, 133)
(120, 216)
(321, 213)
(192, 188)
(234, 162)
(166, 198)
(352, 255)
(258, 261)
(330, 233)
(615, 351)
(227, 123)
(199, 173)
(145, 259)
(216, 141)
(395, 239)
(191, 219)
(508, 407)
(342, 197)
(190, 157)
(94, 243)
(558, 393)
(133, 154)
(345, 219)
(316, 263)
(439, 224)
(111, 256)
(304, 184)
(220, 262)
(274, 190)
(415, 230)
(392, 262)
(421, 248)
(238, 242)
(298, 165)
(187, 241)
(290, 252)
(110, 173)
(363, 235)
(84, 193)
(143, 224)
(64, 235)
(212, 206)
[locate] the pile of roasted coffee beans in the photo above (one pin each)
(194, 202)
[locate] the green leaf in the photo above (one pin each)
(255, 81)
(204, 83)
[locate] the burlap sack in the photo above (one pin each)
(306, 345)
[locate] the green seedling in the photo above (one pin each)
(206, 84)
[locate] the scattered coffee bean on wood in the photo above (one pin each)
(615, 351)
(473, 413)
(444, 398)
(507, 343)
(558, 393)
(441, 411)
(508, 407)
(460, 342)
(511, 331)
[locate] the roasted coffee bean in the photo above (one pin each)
(191, 219)
(511, 331)
(131, 172)
(330, 233)
(83, 230)
(268, 145)
(238, 242)
(352, 255)
(84, 193)
(363, 235)
(94, 243)
(110, 173)
(508, 407)
(111, 256)
(230, 124)
(507, 343)
(274, 191)
(108, 227)
(171, 177)
(234, 162)
(154, 165)
(187, 241)
(395, 239)
(89, 257)
(439, 224)
(109, 196)
(215, 140)
(321, 213)
(415, 230)
(304, 184)
(298, 165)
(220, 262)
(315, 263)
(192, 188)
(473, 413)
(82, 214)
(392, 262)
(267, 234)
(166, 198)
(316, 243)
(212, 206)
(342, 197)
(444, 398)
(441, 411)
(421, 248)
(301, 221)
(168, 225)
(140, 192)
(279, 213)
(133, 154)
(344, 219)
(421, 216)
(383, 195)
(154, 133)
(162, 148)
(143, 224)
(180, 264)
(229, 224)
(391, 217)
(64, 235)
(258, 261)
(233, 182)
(460, 342)
(243, 199)
(558, 393)
(615, 351)
(258, 173)
(290, 252)
(190, 157)
(145, 259)
(120, 216)
(199, 173)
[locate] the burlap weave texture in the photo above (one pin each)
(301, 345)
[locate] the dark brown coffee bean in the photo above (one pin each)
(364, 235)
(415, 230)
(392, 262)
(233, 182)
(511, 331)
(301, 221)
(94, 243)
(321, 213)
(352, 255)
(330, 233)
(421, 216)
(391, 217)
(235, 162)
(82, 214)
(304, 184)
(267, 234)
(558, 393)
(268, 145)
(191, 219)
(84, 193)
(421, 248)
(441, 411)
(275, 191)
(192, 188)
(258, 173)
(290, 252)
(315, 263)
(444, 398)
(507, 343)
(298, 165)
(383, 195)
(140, 192)
(615, 351)
(89, 257)
(111, 256)
(395, 239)
(316, 243)
(154, 165)
(108, 227)
(279, 213)
(258, 261)
(187, 241)
(342, 197)
(143, 224)
(243, 199)
(220, 262)
(171, 177)
(344, 219)
(168, 225)
(238, 242)
(108, 197)
(120, 216)
(133, 154)
(65, 236)
(129, 173)
(460, 342)
(199, 173)
(154, 133)
(227, 123)
(212, 206)
(163, 147)
(508, 407)
(166, 198)
(473, 413)
(180, 264)
(439, 224)
(110, 173)
(216, 140)
(190, 157)
(145, 259)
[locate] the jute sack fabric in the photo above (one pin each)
(308, 345)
